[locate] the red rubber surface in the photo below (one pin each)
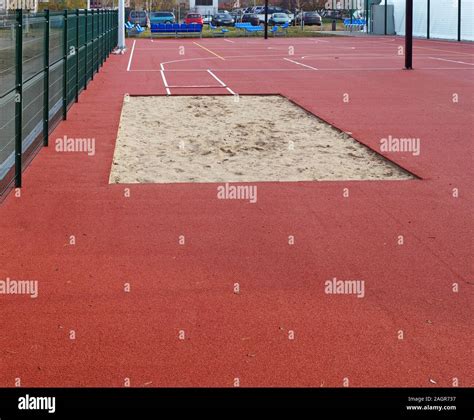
(173, 287)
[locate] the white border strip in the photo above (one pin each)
(131, 55)
(221, 82)
(451, 61)
(300, 64)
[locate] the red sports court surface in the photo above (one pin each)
(190, 287)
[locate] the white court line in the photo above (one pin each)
(221, 82)
(162, 72)
(451, 61)
(228, 40)
(325, 69)
(300, 64)
(195, 86)
(131, 55)
(445, 51)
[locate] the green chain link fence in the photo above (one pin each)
(46, 60)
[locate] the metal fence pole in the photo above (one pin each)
(428, 12)
(409, 35)
(18, 96)
(77, 55)
(385, 19)
(459, 20)
(85, 50)
(65, 29)
(367, 16)
(103, 37)
(92, 45)
(46, 81)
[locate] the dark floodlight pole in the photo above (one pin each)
(459, 20)
(266, 19)
(409, 35)
(428, 23)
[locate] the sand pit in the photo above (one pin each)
(170, 139)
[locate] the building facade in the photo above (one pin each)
(204, 7)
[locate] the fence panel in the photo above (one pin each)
(7, 100)
(46, 60)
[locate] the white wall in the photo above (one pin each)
(443, 18)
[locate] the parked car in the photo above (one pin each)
(252, 18)
(271, 10)
(207, 19)
(193, 18)
(138, 17)
(237, 15)
(278, 19)
(162, 17)
(333, 14)
(309, 18)
(222, 19)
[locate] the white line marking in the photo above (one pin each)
(168, 92)
(196, 86)
(451, 61)
(228, 40)
(325, 69)
(221, 82)
(445, 51)
(300, 64)
(131, 55)
(215, 77)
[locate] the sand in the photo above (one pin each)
(170, 139)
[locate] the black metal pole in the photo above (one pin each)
(409, 35)
(18, 96)
(367, 16)
(266, 19)
(65, 53)
(77, 56)
(385, 18)
(428, 12)
(459, 20)
(86, 73)
(46, 81)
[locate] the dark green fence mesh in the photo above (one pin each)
(46, 60)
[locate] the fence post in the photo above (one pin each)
(86, 74)
(46, 81)
(65, 29)
(92, 44)
(101, 20)
(18, 97)
(409, 35)
(428, 12)
(385, 18)
(109, 15)
(459, 20)
(103, 37)
(77, 56)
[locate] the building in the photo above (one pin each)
(204, 7)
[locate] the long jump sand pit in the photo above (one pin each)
(171, 139)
